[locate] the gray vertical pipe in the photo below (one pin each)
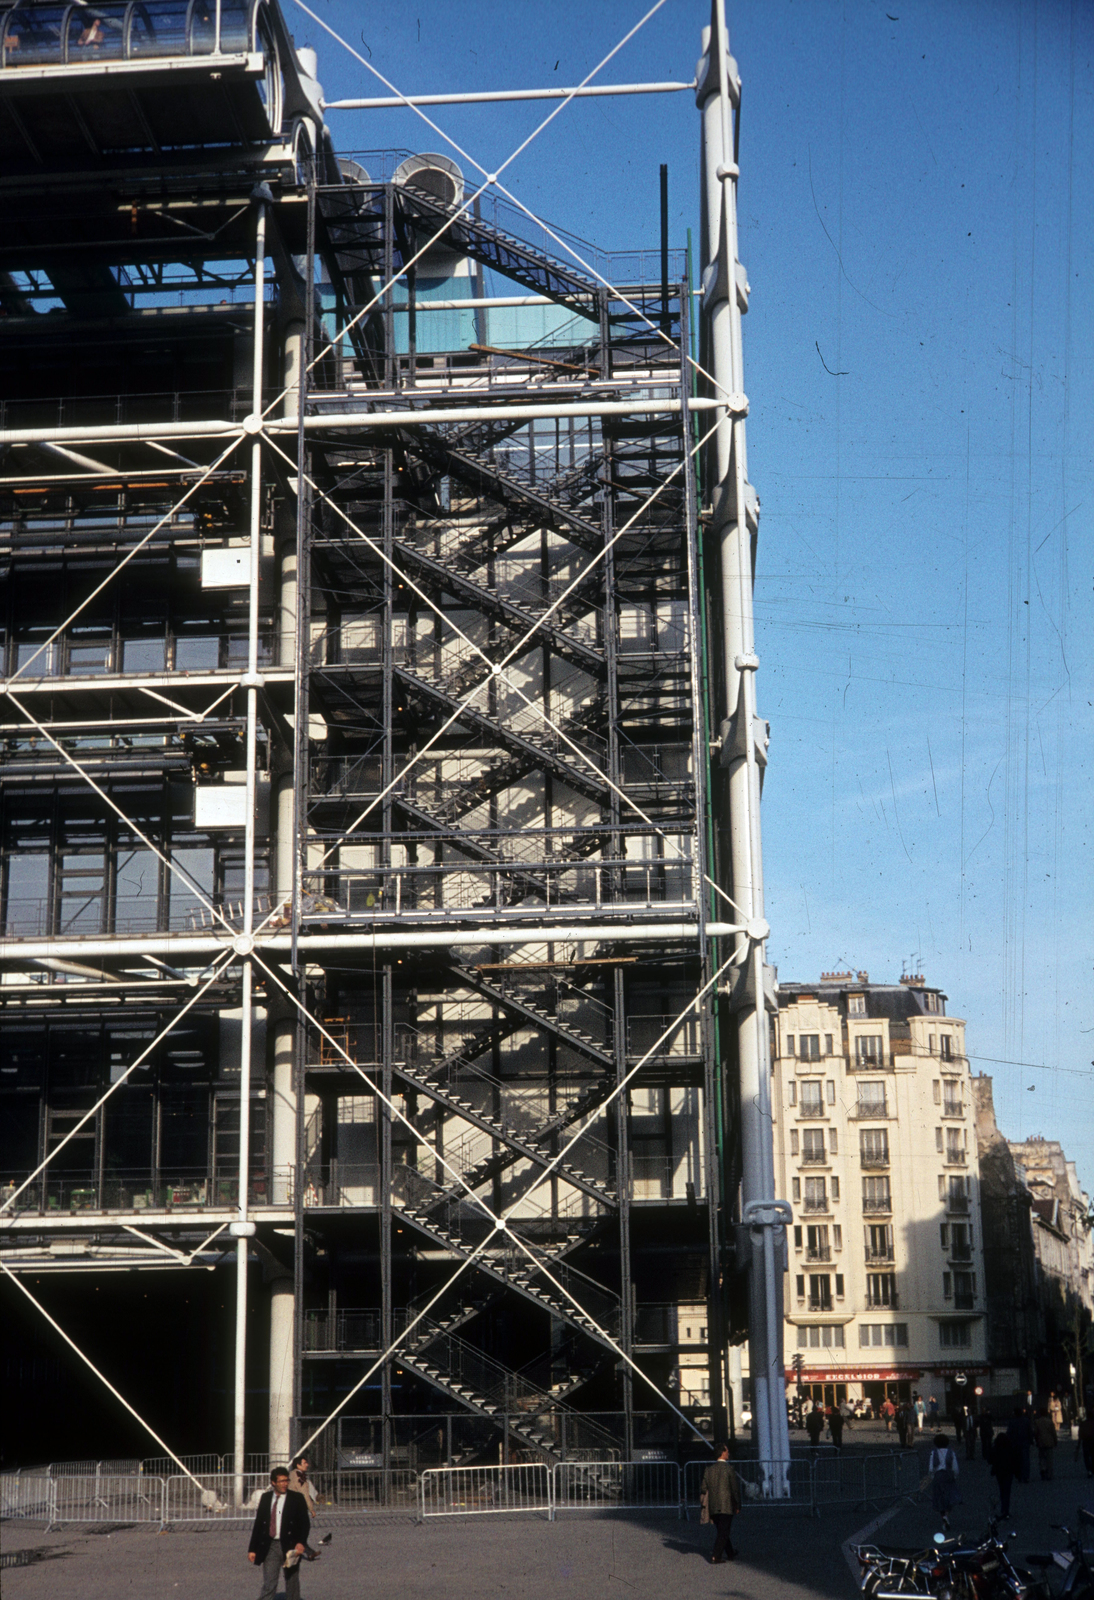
(723, 290)
(243, 1228)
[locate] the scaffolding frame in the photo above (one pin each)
(457, 862)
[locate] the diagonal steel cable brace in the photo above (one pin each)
(124, 562)
(177, 1018)
(56, 1326)
(502, 1223)
(172, 866)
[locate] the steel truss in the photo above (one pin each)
(417, 810)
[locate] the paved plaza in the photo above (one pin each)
(784, 1555)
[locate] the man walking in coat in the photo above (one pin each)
(723, 1492)
(281, 1528)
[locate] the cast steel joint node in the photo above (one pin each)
(767, 1214)
(758, 929)
(729, 170)
(252, 423)
(252, 680)
(241, 1230)
(243, 944)
(749, 663)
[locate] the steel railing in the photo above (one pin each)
(62, 1493)
(462, 1491)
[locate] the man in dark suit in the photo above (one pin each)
(281, 1528)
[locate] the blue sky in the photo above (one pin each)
(916, 214)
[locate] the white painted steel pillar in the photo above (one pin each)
(734, 516)
(281, 1369)
(244, 942)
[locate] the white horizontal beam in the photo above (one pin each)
(482, 302)
(491, 96)
(593, 406)
(199, 1220)
(182, 945)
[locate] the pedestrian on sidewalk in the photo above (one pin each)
(722, 1489)
(932, 1413)
(814, 1426)
(1020, 1434)
(1004, 1468)
(1056, 1411)
(943, 1468)
(970, 1435)
(298, 1480)
(904, 1424)
(1044, 1436)
(835, 1427)
(280, 1532)
(1085, 1443)
(985, 1426)
(888, 1411)
(919, 1406)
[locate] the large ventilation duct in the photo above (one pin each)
(435, 177)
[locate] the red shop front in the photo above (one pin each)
(878, 1383)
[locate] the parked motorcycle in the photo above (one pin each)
(950, 1569)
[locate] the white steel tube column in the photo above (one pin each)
(243, 1228)
(733, 508)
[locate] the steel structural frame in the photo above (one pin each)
(300, 946)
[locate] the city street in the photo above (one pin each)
(783, 1555)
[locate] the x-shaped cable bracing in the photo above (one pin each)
(502, 1223)
(145, 1053)
(491, 180)
(497, 669)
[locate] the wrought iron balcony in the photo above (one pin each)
(814, 1158)
(878, 1205)
(819, 1252)
(956, 1157)
(815, 1204)
(875, 1160)
(957, 1203)
(811, 1110)
(871, 1110)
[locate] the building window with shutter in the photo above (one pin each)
(816, 1197)
(874, 1147)
(812, 1098)
(813, 1146)
(881, 1289)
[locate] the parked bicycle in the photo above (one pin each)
(1073, 1567)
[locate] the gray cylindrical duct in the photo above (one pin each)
(436, 178)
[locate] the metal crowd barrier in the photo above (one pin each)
(64, 1494)
(105, 1498)
(167, 1466)
(28, 1496)
(618, 1486)
(354, 1491)
(460, 1491)
(212, 1498)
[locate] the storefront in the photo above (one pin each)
(854, 1383)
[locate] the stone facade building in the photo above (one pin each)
(1016, 1320)
(875, 1147)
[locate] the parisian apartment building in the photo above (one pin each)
(875, 1148)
